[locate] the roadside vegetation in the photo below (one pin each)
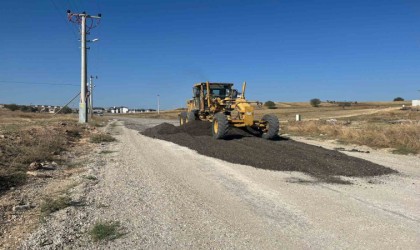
(102, 137)
(34, 138)
(53, 205)
(31, 139)
(104, 231)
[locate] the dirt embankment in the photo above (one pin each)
(280, 154)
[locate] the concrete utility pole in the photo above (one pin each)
(82, 105)
(158, 109)
(81, 19)
(91, 97)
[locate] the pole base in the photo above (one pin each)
(83, 113)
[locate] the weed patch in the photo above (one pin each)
(107, 152)
(98, 138)
(52, 205)
(404, 151)
(106, 231)
(90, 177)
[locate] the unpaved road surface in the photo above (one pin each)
(167, 196)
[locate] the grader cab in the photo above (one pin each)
(225, 107)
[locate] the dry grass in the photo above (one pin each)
(404, 138)
(31, 137)
(288, 111)
(101, 137)
(169, 115)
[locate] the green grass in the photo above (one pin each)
(106, 231)
(53, 205)
(90, 177)
(107, 152)
(403, 150)
(98, 138)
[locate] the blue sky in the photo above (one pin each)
(285, 50)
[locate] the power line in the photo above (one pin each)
(76, 6)
(39, 83)
(65, 20)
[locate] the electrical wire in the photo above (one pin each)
(39, 83)
(65, 20)
(74, 6)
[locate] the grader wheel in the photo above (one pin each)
(182, 118)
(220, 126)
(272, 127)
(190, 117)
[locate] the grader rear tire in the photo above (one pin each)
(182, 118)
(190, 117)
(272, 127)
(220, 126)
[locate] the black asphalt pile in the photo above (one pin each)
(281, 154)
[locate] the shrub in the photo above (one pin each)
(66, 110)
(52, 205)
(12, 107)
(270, 104)
(398, 99)
(106, 231)
(98, 138)
(315, 102)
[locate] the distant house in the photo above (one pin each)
(119, 110)
(415, 103)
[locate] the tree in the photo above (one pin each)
(270, 104)
(315, 102)
(398, 99)
(11, 107)
(66, 110)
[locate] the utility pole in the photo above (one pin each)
(91, 86)
(158, 108)
(90, 97)
(81, 19)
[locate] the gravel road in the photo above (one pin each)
(168, 196)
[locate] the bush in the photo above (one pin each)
(270, 104)
(315, 102)
(398, 99)
(66, 110)
(11, 107)
(106, 231)
(98, 138)
(52, 205)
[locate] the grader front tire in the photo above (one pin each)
(190, 117)
(220, 126)
(182, 118)
(272, 127)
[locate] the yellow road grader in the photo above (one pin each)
(225, 107)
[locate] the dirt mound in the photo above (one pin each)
(281, 154)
